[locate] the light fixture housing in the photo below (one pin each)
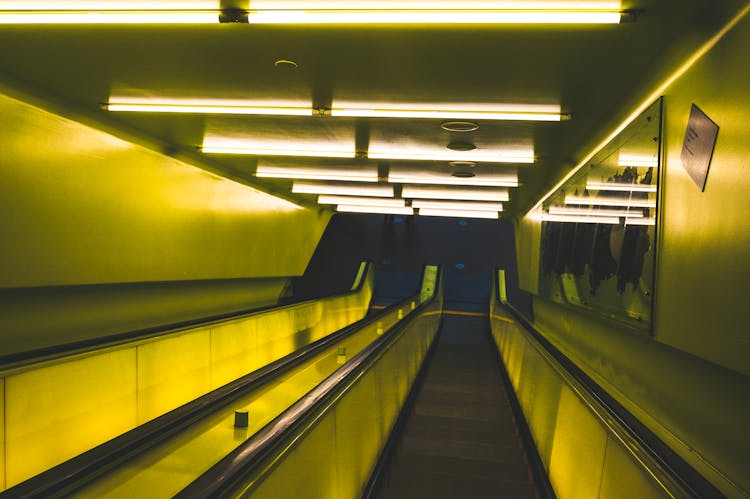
(412, 176)
(304, 187)
(362, 201)
(455, 193)
(432, 212)
(369, 174)
(578, 219)
(641, 221)
(198, 108)
(621, 187)
(380, 210)
(610, 201)
(637, 161)
(457, 205)
(261, 151)
(589, 212)
(520, 157)
(447, 114)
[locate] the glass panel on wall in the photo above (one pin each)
(599, 229)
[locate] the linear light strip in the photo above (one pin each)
(640, 221)
(431, 212)
(210, 109)
(525, 158)
(579, 219)
(109, 17)
(614, 186)
(351, 175)
(419, 192)
(446, 114)
(490, 181)
(381, 191)
(383, 210)
(454, 205)
(362, 201)
(278, 152)
(423, 16)
(637, 161)
(608, 201)
(611, 212)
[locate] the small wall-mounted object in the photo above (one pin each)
(241, 419)
(698, 147)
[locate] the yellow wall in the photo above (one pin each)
(80, 206)
(689, 381)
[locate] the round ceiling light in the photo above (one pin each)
(461, 146)
(462, 174)
(286, 63)
(462, 164)
(459, 126)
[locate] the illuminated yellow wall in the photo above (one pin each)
(689, 381)
(56, 410)
(103, 236)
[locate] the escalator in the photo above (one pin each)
(460, 438)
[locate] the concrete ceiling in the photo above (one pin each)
(593, 72)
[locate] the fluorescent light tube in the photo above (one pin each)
(610, 201)
(431, 212)
(456, 205)
(446, 114)
(579, 219)
(465, 194)
(500, 157)
(359, 201)
(109, 17)
(611, 212)
(637, 161)
(422, 177)
(277, 152)
(351, 175)
(145, 107)
(615, 186)
(640, 221)
(383, 210)
(423, 16)
(381, 191)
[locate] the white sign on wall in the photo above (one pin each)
(700, 138)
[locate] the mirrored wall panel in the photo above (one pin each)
(598, 231)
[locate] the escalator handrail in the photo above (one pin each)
(295, 422)
(22, 360)
(76, 472)
(677, 477)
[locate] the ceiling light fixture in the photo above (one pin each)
(380, 210)
(463, 194)
(525, 157)
(351, 175)
(640, 221)
(610, 212)
(448, 114)
(277, 152)
(455, 205)
(637, 161)
(610, 201)
(155, 107)
(380, 191)
(615, 186)
(359, 201)
(578, 219)
(430, 212)
(421, 177)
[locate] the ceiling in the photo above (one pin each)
(592, 72)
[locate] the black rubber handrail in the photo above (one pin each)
(83, 469)
(46, 354)
(670, 464)
(227, 475)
